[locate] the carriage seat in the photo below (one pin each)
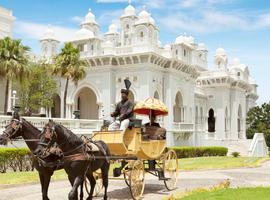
(154, 133)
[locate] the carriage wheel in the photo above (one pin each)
(170, 169)
(126, 177)
(98, 186)
(137, 179)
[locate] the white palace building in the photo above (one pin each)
(206, 107)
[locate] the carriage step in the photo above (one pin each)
(161, 176)
(164, 179)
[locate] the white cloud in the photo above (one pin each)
(263, 20)
(77, 19)
(224, 20)
(33, 30)
(213, 21)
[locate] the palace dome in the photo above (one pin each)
(220, 51)
(89, 18)
(129, 11)
(49, 34)
(112, 29)
(83, 34)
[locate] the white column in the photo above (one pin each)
(234, 121)
(100, 110)
(67, 111)
(220, 125)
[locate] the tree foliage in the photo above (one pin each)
(258, 121)
(13, 62)
(67, 64)
(37, 90)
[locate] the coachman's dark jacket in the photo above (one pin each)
(124, 109)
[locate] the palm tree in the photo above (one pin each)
(68, 65)
(13, 63)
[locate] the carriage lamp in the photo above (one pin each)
(76, 113)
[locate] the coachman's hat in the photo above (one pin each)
(127, 84)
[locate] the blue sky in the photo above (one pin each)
(241, 27)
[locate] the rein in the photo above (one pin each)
(26, 140)
(76, 148)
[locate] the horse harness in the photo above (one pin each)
(89, 149)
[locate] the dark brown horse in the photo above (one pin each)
(19, 127)
(77, 162)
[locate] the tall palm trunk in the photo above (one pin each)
(6, 97)
(65, 98)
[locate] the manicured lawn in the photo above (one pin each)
(258, 193)
(184, 164)
(218, 162)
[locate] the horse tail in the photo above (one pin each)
(105, 147)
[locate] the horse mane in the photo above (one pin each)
(28, 124)
(71, 137)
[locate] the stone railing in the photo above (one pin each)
(185, 127)
(78, 126)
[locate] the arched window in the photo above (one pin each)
(156, 95)
(211, 121)
(141, 36)
(185, 53)
(87, 104)
(56, 109)
(178, 110)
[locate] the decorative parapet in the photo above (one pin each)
(79, 126)
(152, 59)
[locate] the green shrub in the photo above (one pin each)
(16, 159)
(190, 152)
(235, 154)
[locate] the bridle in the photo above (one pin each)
(16, 126)
(50, 133)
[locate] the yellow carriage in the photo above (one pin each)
(138, 154)
(138, 151)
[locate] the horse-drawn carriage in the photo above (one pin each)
(137, 154)
(132, 152)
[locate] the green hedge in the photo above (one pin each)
(190, 152)
(16, 159)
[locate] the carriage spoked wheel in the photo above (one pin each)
(98, 186)
(136, 179)
(170, 169)
(126, 176)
